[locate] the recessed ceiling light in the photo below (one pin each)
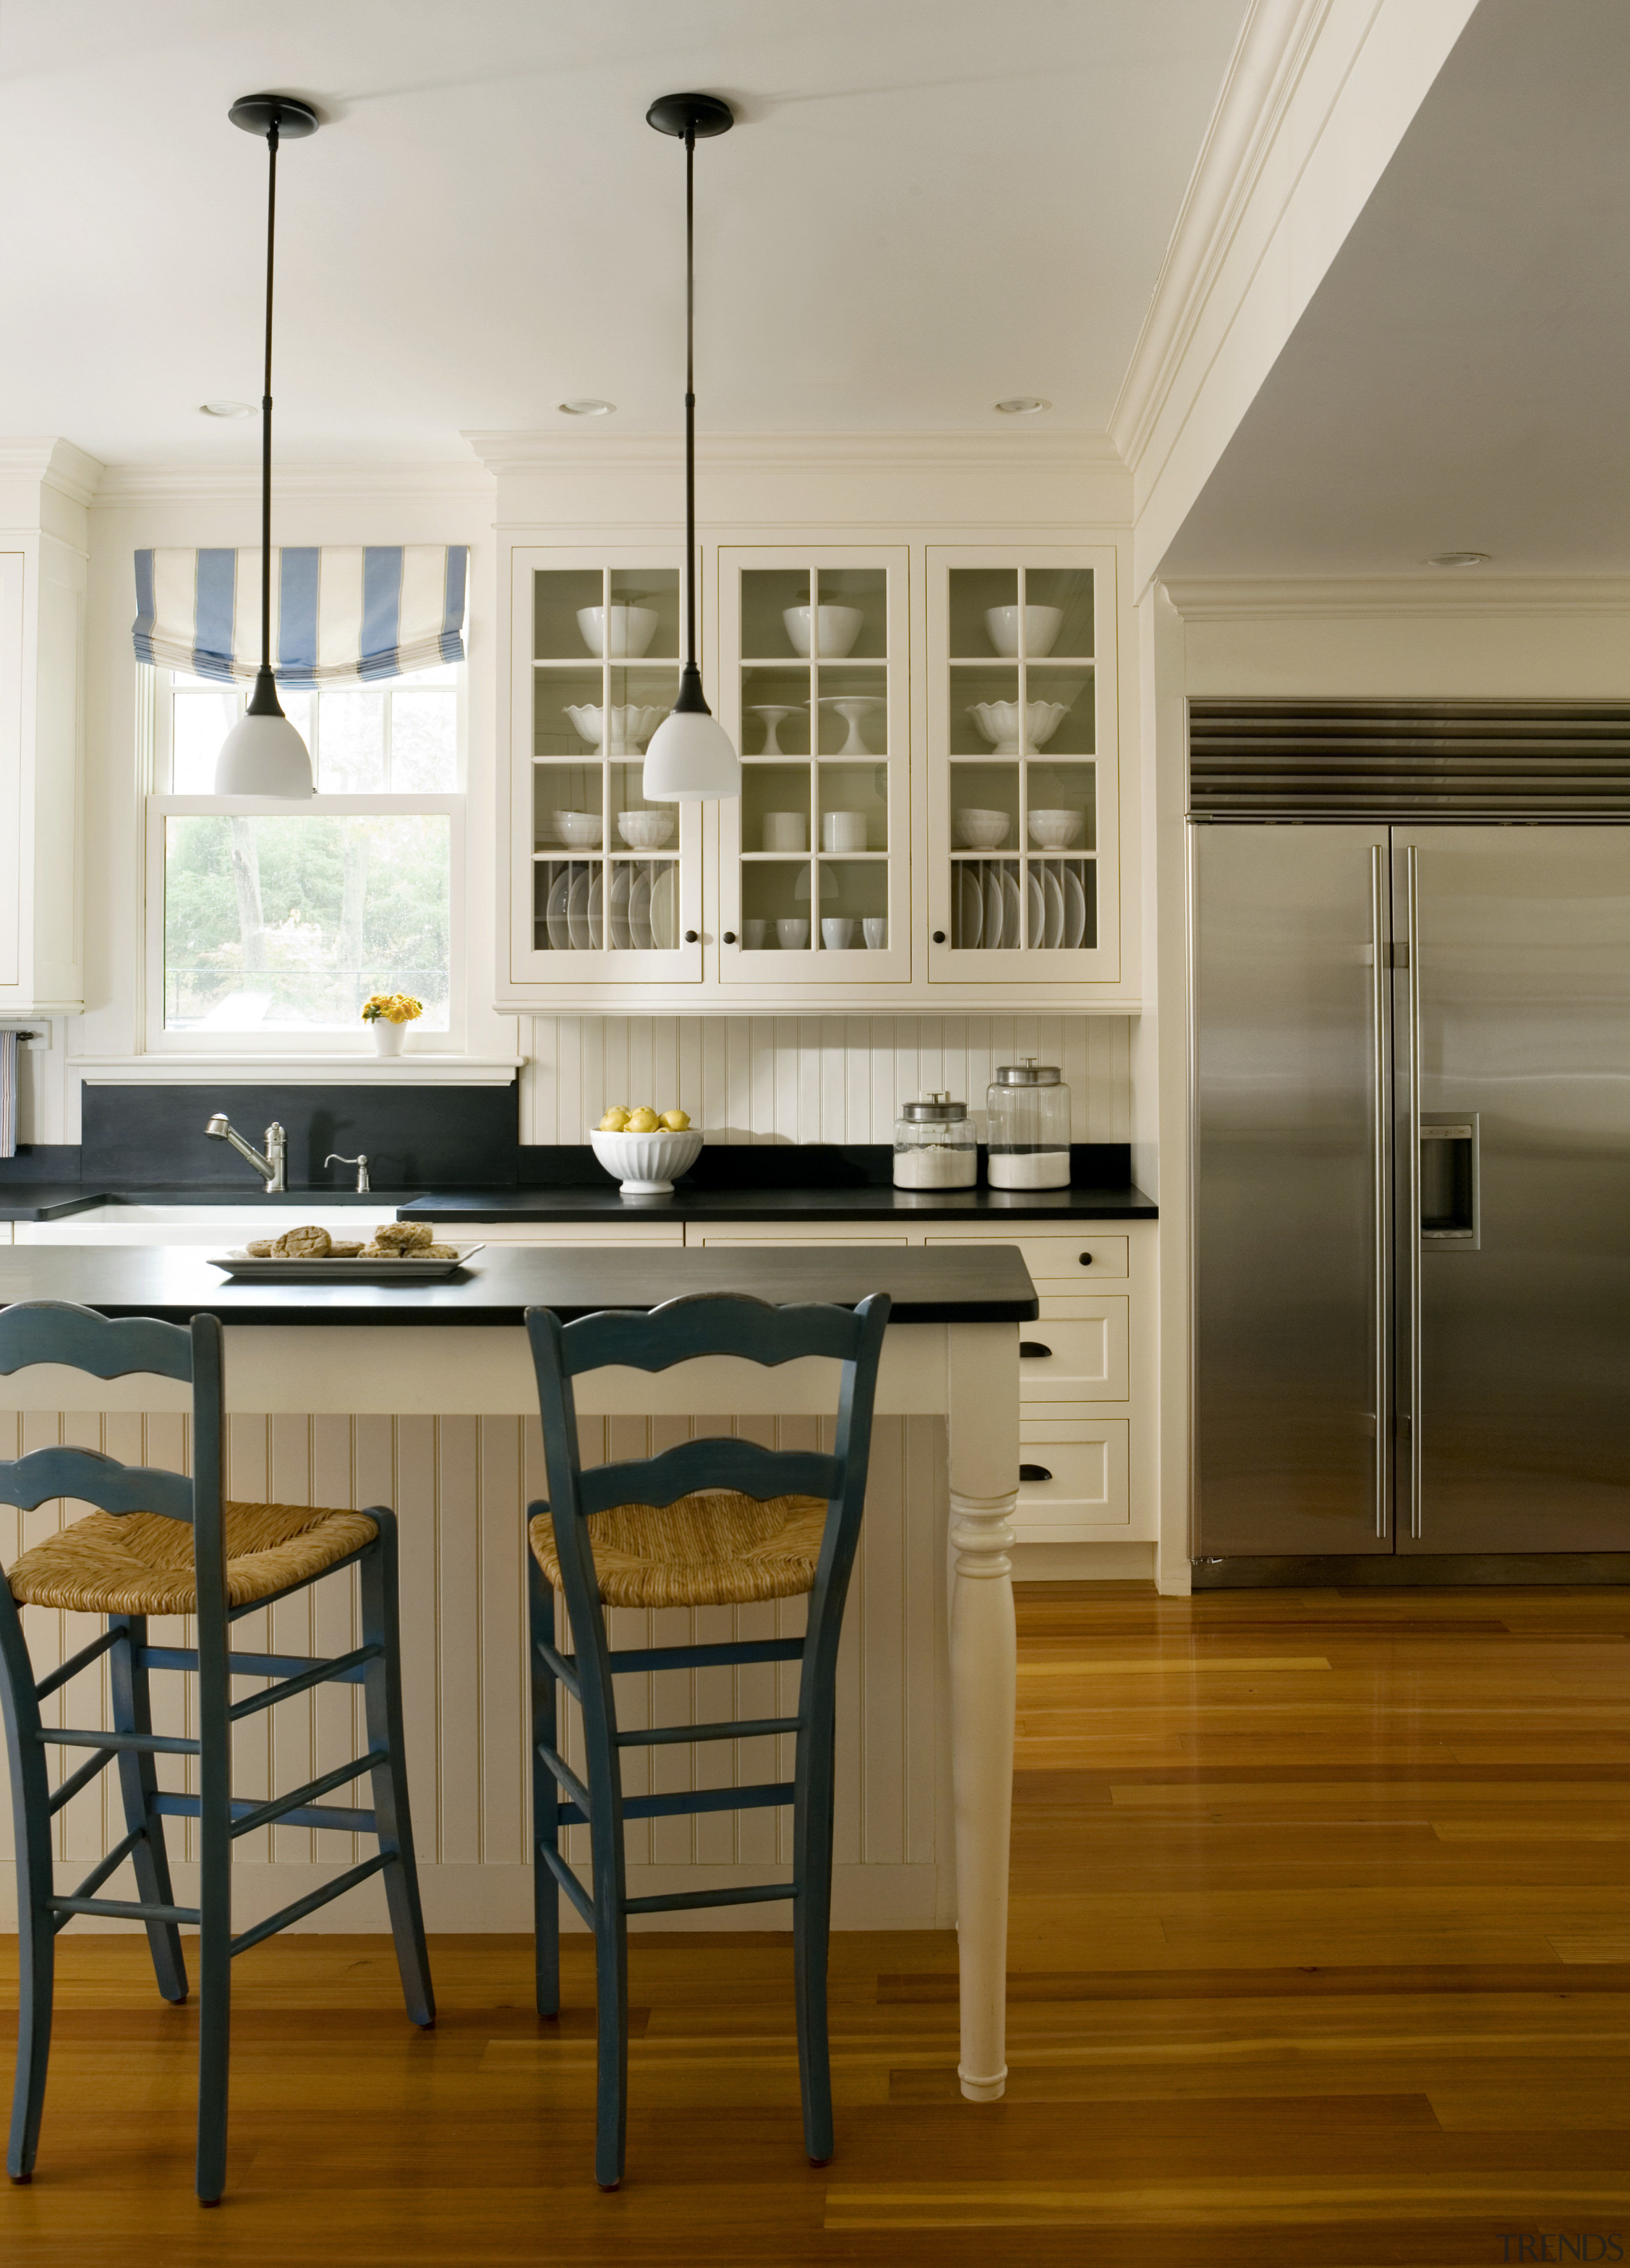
(583, 406)
(226, 410)
(1460, 558)
(1023, 405)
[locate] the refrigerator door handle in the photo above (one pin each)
(1412, 1103)
(1381, 1169)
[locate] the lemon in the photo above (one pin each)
(675, 1121)
(642, 1121)
(615, 1122)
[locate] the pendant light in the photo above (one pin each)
(691, 755)
(264, 755)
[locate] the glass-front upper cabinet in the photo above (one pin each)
(1023, 818)
(815, 860)
(613, 886)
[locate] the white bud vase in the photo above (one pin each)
(388, 1037)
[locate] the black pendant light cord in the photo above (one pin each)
(690, 398)
(266, 401)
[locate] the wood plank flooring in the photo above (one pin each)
(1320, 1953)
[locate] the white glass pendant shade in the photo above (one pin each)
(691, 755)
(264, 755)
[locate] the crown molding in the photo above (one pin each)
(948, 452)
(1269, 58)
(1465, 594)
(55, 464)
(156, 485)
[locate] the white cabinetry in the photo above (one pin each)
(43, 573)
(878, 692)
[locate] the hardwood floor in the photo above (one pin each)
(1320, 1953)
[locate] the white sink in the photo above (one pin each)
(216, 1227)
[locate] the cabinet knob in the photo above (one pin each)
(690, 936)
(1034, 1472)
(730, 937)
(939, 937)
(1086, 1260)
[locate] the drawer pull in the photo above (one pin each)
(1034, 1472)
(1033, 1351)
(1086, 1260)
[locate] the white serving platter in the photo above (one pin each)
(252, 1268)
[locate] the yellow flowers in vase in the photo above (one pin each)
(389, 1013)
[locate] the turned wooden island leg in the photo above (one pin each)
(983, 1419)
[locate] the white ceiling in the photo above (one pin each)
(928, 204)
(1460, 379)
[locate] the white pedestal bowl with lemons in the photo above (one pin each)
(645, 1149)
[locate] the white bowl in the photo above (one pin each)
(980, 831)
(1056, 830)
(579, 828)
(629, 726)
(998, 721)
(647, 1164)
(840, 626)
(632, 630)
(1041, 628)
(645, 830)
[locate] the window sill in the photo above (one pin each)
(241, 1068)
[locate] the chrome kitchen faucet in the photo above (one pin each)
(272, 1166)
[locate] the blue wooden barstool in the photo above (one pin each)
(133, 1558)
(713, 1522)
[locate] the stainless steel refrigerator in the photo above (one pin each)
(1411, 1138)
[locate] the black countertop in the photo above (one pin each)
(468, 1208)
(46, 1200)
(958, 1283)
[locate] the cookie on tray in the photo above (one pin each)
(307, 1243)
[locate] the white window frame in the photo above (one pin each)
(154, 711)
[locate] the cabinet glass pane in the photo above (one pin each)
(767, 592)
(985, 806)
(975, 592)
(776, 893)
(985, 712)
(775, 807)
(1067, 593)
(853, 708)
(775, 712)
(558, 792)
(1060, 711)
(566, 710)
(854, 622)
(854, 807)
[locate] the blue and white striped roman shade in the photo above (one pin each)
(339, 610)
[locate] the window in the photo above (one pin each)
(278, 920)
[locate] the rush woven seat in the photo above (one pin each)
(714, 1548)
(142, 1563)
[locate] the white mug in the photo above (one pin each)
(752, 935)
(794, 935)
(876, 932)
(843, 830)
(785, 830)
(837, 933)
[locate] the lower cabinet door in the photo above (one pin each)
(1072, 1479)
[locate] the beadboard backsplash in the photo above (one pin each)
(811, 1078)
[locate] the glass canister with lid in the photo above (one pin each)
(1028, 1107)
(935, 1145)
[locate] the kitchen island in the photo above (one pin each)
(358, 1383)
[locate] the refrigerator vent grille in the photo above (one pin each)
(1428, 759)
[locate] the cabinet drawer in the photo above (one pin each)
(1086, 1487)
(610, 1231)
(1058, 1259)
(1085, 1357)
(841, 1232)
